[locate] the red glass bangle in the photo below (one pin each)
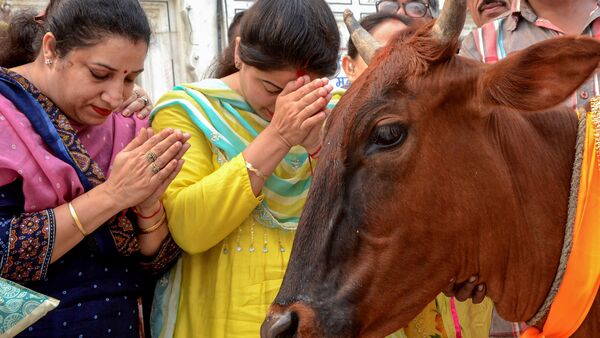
(160, 206)
(315, 153)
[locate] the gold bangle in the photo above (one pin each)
(155, 226)
(256, 172)
(76, 219)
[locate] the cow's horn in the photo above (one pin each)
(451, 21)
(366, 45)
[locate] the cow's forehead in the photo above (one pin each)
(447, 88)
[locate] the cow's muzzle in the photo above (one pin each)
(280, 325)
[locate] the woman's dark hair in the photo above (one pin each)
(278, 34)
(370, 22)
(75, 24)
(234, 27)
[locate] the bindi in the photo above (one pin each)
(125, 71)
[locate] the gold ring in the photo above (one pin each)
(151, 156)
(155, 168)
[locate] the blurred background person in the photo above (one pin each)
(421, 11)
(383, 26)
(484, 11)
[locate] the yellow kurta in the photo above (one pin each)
(226, 287)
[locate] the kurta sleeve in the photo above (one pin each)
(204, 204)
(26, 243)
(166, 256)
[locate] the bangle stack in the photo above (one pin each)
(76, 220)
(155, 226)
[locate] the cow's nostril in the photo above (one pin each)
(282, 326)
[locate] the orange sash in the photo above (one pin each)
(580, 284)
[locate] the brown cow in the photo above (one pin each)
(434, 168)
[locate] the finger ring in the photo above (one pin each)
(155, 168)
(151, 157)
(144, 100)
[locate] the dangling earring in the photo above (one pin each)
(48, 61)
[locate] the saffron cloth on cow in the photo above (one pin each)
(582, 276)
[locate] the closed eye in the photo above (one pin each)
(386, 136)
(99, 76)
(271, 88)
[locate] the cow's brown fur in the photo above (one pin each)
(479, 186)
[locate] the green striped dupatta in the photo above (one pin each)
(230, 124)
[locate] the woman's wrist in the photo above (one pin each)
(277, 138)
(150, 229)
(148, 212)
(314, 152)
(109, 199)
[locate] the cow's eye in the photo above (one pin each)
(387, 135)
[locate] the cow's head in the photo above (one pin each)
(432, 166)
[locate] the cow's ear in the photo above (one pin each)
(541, 76)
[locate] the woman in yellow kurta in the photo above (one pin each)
(239, 196)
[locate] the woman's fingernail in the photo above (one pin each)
(126, 112)
(472, 279)
(480, 287)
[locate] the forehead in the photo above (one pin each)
(407, 1)
(115, 51)
(277, 77)
(387, 29)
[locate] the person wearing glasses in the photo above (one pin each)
(419, 10)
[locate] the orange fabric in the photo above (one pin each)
(582, 276)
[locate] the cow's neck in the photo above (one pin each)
(523, 263)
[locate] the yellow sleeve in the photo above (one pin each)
(204, 204)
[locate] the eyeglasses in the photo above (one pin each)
(413, 9)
